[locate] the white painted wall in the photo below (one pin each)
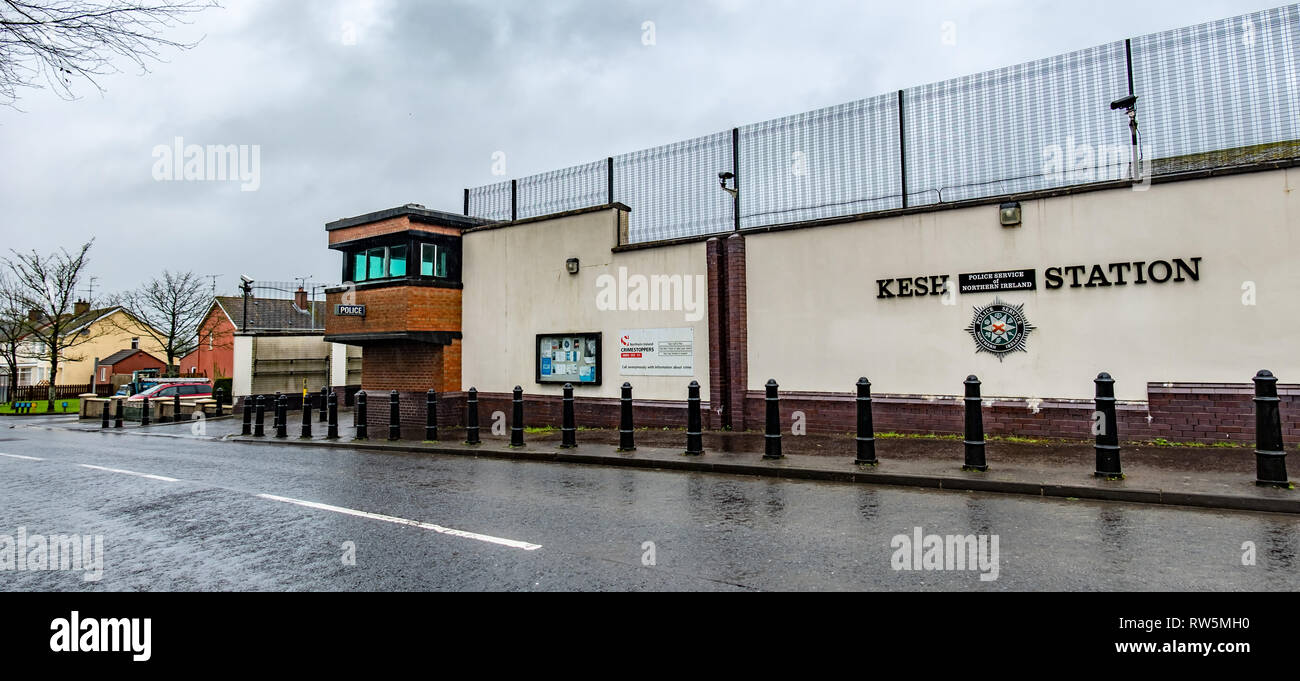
(241, 382)
(516, 286)
(815, 322)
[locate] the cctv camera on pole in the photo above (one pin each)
(246, 286)
(1129, 104)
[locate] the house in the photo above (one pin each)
(214, 356)
(124, 362)
(105, 331)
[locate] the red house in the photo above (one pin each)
(215, 355)
(124, 362)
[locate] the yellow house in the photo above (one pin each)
(103, 331)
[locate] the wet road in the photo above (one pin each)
(185, 513)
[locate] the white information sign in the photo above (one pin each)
(656, 352)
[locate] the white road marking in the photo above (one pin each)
(118, 470)
(24, 458)
(403, 521)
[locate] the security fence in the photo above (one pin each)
(1213, 95)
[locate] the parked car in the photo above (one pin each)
(166, 391)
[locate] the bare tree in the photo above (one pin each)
(58, 41)
(168, 310)
(13, 327)
(47, 285)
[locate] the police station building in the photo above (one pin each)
(994, 225)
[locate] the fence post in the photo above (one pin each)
(902, 148)
(772, 435)
(694, 438)
(103, 416)
(259, 428)
(247, 428)
(1270, 453)
(332, 429)
(117, 413)
(866, 428)
(1107, 445)
(974, 428)
(394, 416)
(431, 416)
(359, 416)
(282, 415)
(626, 441)
(471, 417)
(144, 413)
(517, 418)
(306, 416)
(568, 431)
(514, 200)
(324, 404)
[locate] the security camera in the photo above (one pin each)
(246, 279)
(722, 182)
(724, 176)
(1124, 102)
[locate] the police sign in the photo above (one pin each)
(350, 310)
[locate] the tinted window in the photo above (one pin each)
(397, 261)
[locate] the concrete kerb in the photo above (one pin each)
(831, 471)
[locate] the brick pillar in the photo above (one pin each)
(718, 395)
(408, 367)
(737, 330)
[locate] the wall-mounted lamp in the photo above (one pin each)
(1009, 214)
(571, 265)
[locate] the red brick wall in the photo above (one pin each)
(737, 334)
(401, 366)
(398, 308)
(1182, 412)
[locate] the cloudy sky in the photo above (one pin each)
(359, 105)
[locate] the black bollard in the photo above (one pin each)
(772, 436)
(117, 413)
(431, 416)
(1106, 427)
(568, 431)
(221, 398)
(104, 413)
(144, 412)
(1270, 453)
(248, 416)
(281, 415)
(176, 408)
(275, 413)
(626, 441)
(517, 418)
(866, 428)
(974, 428)
(359, 416)
(306, 416)
(324, 404)
(471, 418)
(694, 438)
(332, 431)
(259, 423)
(394, 416)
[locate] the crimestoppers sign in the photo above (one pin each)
(656, 352)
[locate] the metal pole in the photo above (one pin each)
(626, 441)
(248, 416)
(974, 427)
(306, 416)
(117, 414)
(1270, 453)
(221, 399)
(394, 416)
(359, 416)
(902, 148)
(104, 413)
(176, 408)
(332, 431)
(324, 404)
(694, 438)
(866, 429)
(282, 416)
(144, 414)
(772, 436)
(471, 417)
(568, 437)
(1106, 428)
(259, 428)
(517, 418)
(735, 170)
(431, 416)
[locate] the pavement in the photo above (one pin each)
(1208, 477)
(186, 509)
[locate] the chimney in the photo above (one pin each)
(33, 315)
(81, 307)
(300, 299)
